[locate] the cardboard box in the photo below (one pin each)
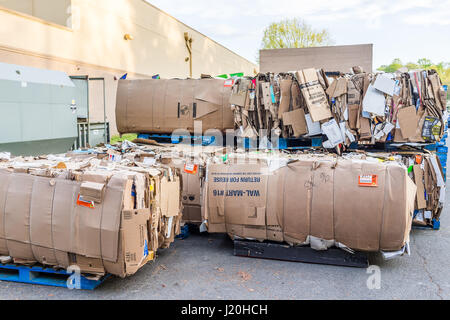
(296, 119)
(407, 119)
(239, 93)
(314, 95)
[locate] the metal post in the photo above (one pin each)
(104, 108)
(82, 130)
(88, 116)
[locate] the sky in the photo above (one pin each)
(405, 29)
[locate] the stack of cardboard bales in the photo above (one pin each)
(305, 197)
(345, 108)
(295, 197)
(103, 215)
(365, 108)
(221, 186)
(360, 107)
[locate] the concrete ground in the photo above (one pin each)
(203, 267)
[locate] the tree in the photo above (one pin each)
(442, 68)
(394, 66)
(424, 63)
(293, 33)
(412, 66)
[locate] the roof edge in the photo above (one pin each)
(179, 21)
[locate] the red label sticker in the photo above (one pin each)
(418, 159)
(85, 203)
(190, 168)
(370, 180)
(228, 83)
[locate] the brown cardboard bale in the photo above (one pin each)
(46, 220)
(310, 197)
(161, 106)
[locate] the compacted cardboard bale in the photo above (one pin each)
(162, 106)
(103, 216)
(363, 108)
(317, 200)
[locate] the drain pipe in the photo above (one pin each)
(188, 41)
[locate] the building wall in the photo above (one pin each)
(91, 42)
(49, 10)
(331, 58)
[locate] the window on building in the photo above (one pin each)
(55, 11)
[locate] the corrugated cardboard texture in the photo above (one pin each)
(75, 214)
(41, 220)
(161, 106)
(331, 58)
(192, 214)
(170, 197)
(41, 215)
(315, 97)
(312, 197)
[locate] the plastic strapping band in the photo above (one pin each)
(4, 207)
(29, 218)
(386, 173)
(315, 166)
(51, 225)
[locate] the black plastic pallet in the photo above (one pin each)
(276, 251)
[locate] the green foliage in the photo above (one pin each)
(424, 63)
(129, 137)
(293, 33)
(412, 66)
(443, 68)
(394, 66)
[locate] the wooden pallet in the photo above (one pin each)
(45, 276)
(277, 251)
